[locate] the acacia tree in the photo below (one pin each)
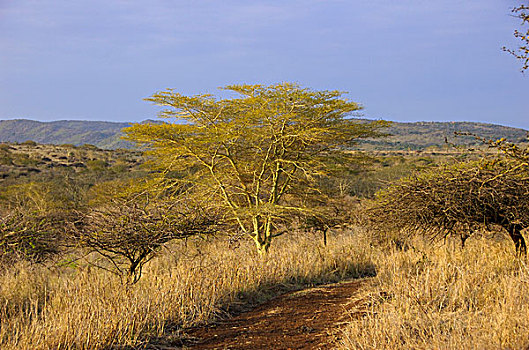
(460, 198)
(257, 155)
(522, 52)
(128, 233)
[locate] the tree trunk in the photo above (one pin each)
(464, 236)
(262, 246)
(517, 238)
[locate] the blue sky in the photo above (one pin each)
(405, 60)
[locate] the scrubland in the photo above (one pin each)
(80, 307)
(418, 294)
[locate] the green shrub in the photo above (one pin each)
(96, 165)
(29, 143)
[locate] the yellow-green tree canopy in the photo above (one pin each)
(254, 155)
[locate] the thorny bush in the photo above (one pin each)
(461, 198)
(29, 237)
(128, 233)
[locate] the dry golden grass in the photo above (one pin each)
(88, 308)
(424, 297)
(444, 298)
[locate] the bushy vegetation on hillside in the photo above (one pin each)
(44, 188)
(440, 136)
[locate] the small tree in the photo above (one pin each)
(459, 199)
(256, 155)
(129, 233)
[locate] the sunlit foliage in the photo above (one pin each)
(255, 156)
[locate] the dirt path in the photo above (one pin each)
(307, 319)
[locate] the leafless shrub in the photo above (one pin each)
(459, 198)
(330, 214)
(128, 234)
(28, 237)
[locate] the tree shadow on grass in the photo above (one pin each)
(245, 300)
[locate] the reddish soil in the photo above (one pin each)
(307, 319)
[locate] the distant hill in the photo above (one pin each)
(106, 135)
(420, 135)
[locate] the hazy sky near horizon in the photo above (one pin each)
(406, 60)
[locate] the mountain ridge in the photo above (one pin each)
(103, 134)
(107, 134)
